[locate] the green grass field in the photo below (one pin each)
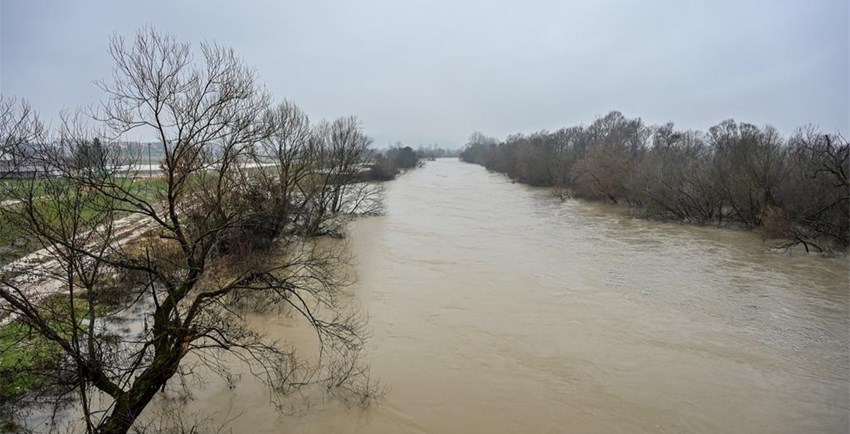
(24, 353)
(16, 243)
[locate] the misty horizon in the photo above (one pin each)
(432, 73)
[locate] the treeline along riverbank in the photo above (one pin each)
(794, 189)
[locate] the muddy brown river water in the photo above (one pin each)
(497, 308)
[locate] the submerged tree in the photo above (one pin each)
(220, 232)
(815, 191)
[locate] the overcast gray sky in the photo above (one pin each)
(434, 71)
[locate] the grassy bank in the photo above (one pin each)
(26, 357)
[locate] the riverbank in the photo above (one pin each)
(771, 244)
(795, 188)
(776, 234)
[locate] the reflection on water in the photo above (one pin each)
(498, 308)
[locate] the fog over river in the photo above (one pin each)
(498, 308)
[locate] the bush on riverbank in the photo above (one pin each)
(388, 164)
(735, 174)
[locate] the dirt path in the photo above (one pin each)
(36, 274)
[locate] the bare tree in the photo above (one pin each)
(748, 166)
(674, 179)
(286, 149)
(317, 172)
(192, 265)
(74, 225)
(339, 155)
(617, 145)
(815, 192)
(20, 127)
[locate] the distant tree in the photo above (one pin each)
(402, 157)
(478, 148)
(90, 158)
(20, 129)
(433, 151)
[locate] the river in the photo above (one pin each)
(498, 308)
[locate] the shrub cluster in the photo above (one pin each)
(388, 164)
(793, 188)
